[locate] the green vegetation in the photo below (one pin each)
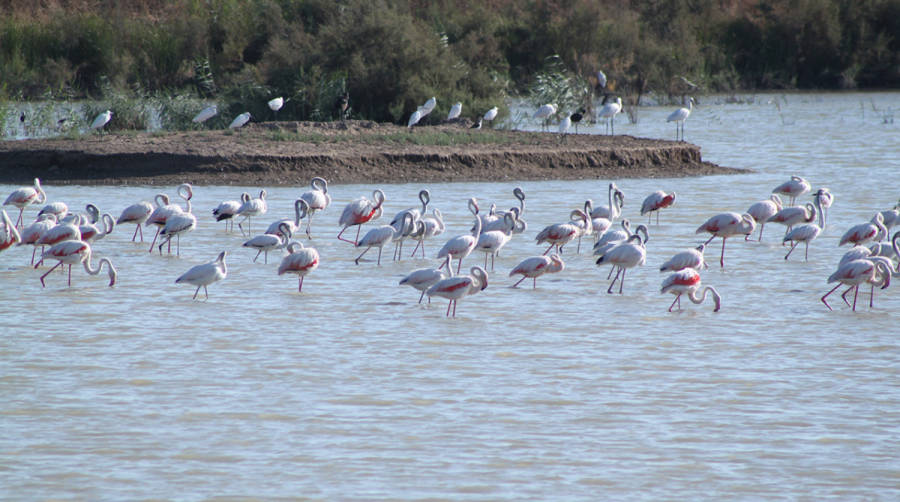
(392, 55)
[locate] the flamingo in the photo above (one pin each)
(679, 116)
(433, 226)
(205, 274)
(301, 209)
(58, 209)
(793, 188)
(656, 201)
(887, 249)
(460, 246)
(361, 211)
(227, 209)
(300, 260)
(317, 199)
(205, 114)
(826, 200)
(891, 216)
(537, 266)
(608, 112)
(25, 196)
(397, 221)
(560, 234)
(628, 254)
(806, 233)
(855, 272)
(251, 208)
(422, 279)
(455, 111)
(72, 252)
(491, 242)
(865, 232)
(763, 210)
(162, 213)
(454, 288)
(100, 121)
(544, 113)
(264, 243)
(137, 214)
(614, 235)
(9, 234)
(494, 219)
(793, 215)
(687, 281)
(90, 232)
(240, 120)
(490, 115)
(614, 209)
(725, 225)
(379, 236)
(691, 258)
(32, 233)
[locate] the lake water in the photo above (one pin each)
(351, 390)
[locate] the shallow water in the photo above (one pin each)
(351, 390)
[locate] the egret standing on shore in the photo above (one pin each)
(100, 121)
(275, 105)
(240, 120)
(455, 111)
(206, 114)
(490, 115)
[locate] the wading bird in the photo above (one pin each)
(656, 201)
(687, 282)
(205, 274)
(536, 266)
(360, 211)
(240, 120)
(679, 116)
(73, 252)
(454, 288)
(422, 279)
(100, 121)
(25, 196)
(792, 189)
(608, 113)
(300, 261)
(725, 225)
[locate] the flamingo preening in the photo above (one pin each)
(454, 288)
(360, 211)
(460, 246)
(300, 261)
(227, 209)
(656, 201)
(763, 210)
(792, 188)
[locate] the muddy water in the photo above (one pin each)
(351, 390)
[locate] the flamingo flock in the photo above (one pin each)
(74, 237)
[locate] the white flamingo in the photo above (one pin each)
(300, 261)
(138, 214)
(318, 200)
(690, 258)
(162, 213)
(679, 116)
(460, 246)
(72, 252)
(32, 233)
(614, 209)
(491, 242)
(250, 209)
(422, 279)
(807, 232)
(536, 266)
(629, 254)
(608, 112)
(379, 236)
(227, 209)
(454, 288)
(301, 210)
(432, 227)
(264, 243)
(687, 281)
(205, 274)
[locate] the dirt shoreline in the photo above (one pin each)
(289, 153)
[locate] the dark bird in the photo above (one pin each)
(342, 105)
(477, 125)
(22, 118)
(576, 118)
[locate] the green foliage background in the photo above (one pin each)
(392, 55)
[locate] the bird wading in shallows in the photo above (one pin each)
(205, 274)
(679, 116)
(725, 225)
(459, 286)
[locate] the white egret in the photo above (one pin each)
(100, 121)
(455, 111)
(206, 114)
(240, 120)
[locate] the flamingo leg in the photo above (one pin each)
(519, 281)
(806, 252)
(48, 273)
(422, 296)
(722, 258)
(158, 229)
(872, 297)
(300, 288)
(609, 291)
(379, 255)
(533, 282)
(791, 251)
(448, 308)
(70, 276)
(195, 293)
(136, 227)
(828, 293)
(677, 297)
(361, 254)
(622, 282)
(416, 249)
(454, 308)
(844, 295)
(710, 239)
(492, 261)
(33, 251)
(855, 294)
(548, 249)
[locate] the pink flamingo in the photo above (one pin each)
(300, 261)
(793, 215)
(865, 232)
(379, 236)
(317, 199)
(725, 225)
(874, 269)
(433, 226)
(361, 211)
(793, 188)
(301, 210)
(72, 252)
(176, 224)
(138, 214)
(25, 196)
(57, 209)
(422, 279)
(491, 242)
(613, 210)
(460, 246)
(560, 234)
(656, 201)
(763, 210)
(32, 233)
(9, 234)
(205, 274)
(264, 243)
(91, 233)
(454, 288)
(687, 281)
(162, 212)
(537, 266)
